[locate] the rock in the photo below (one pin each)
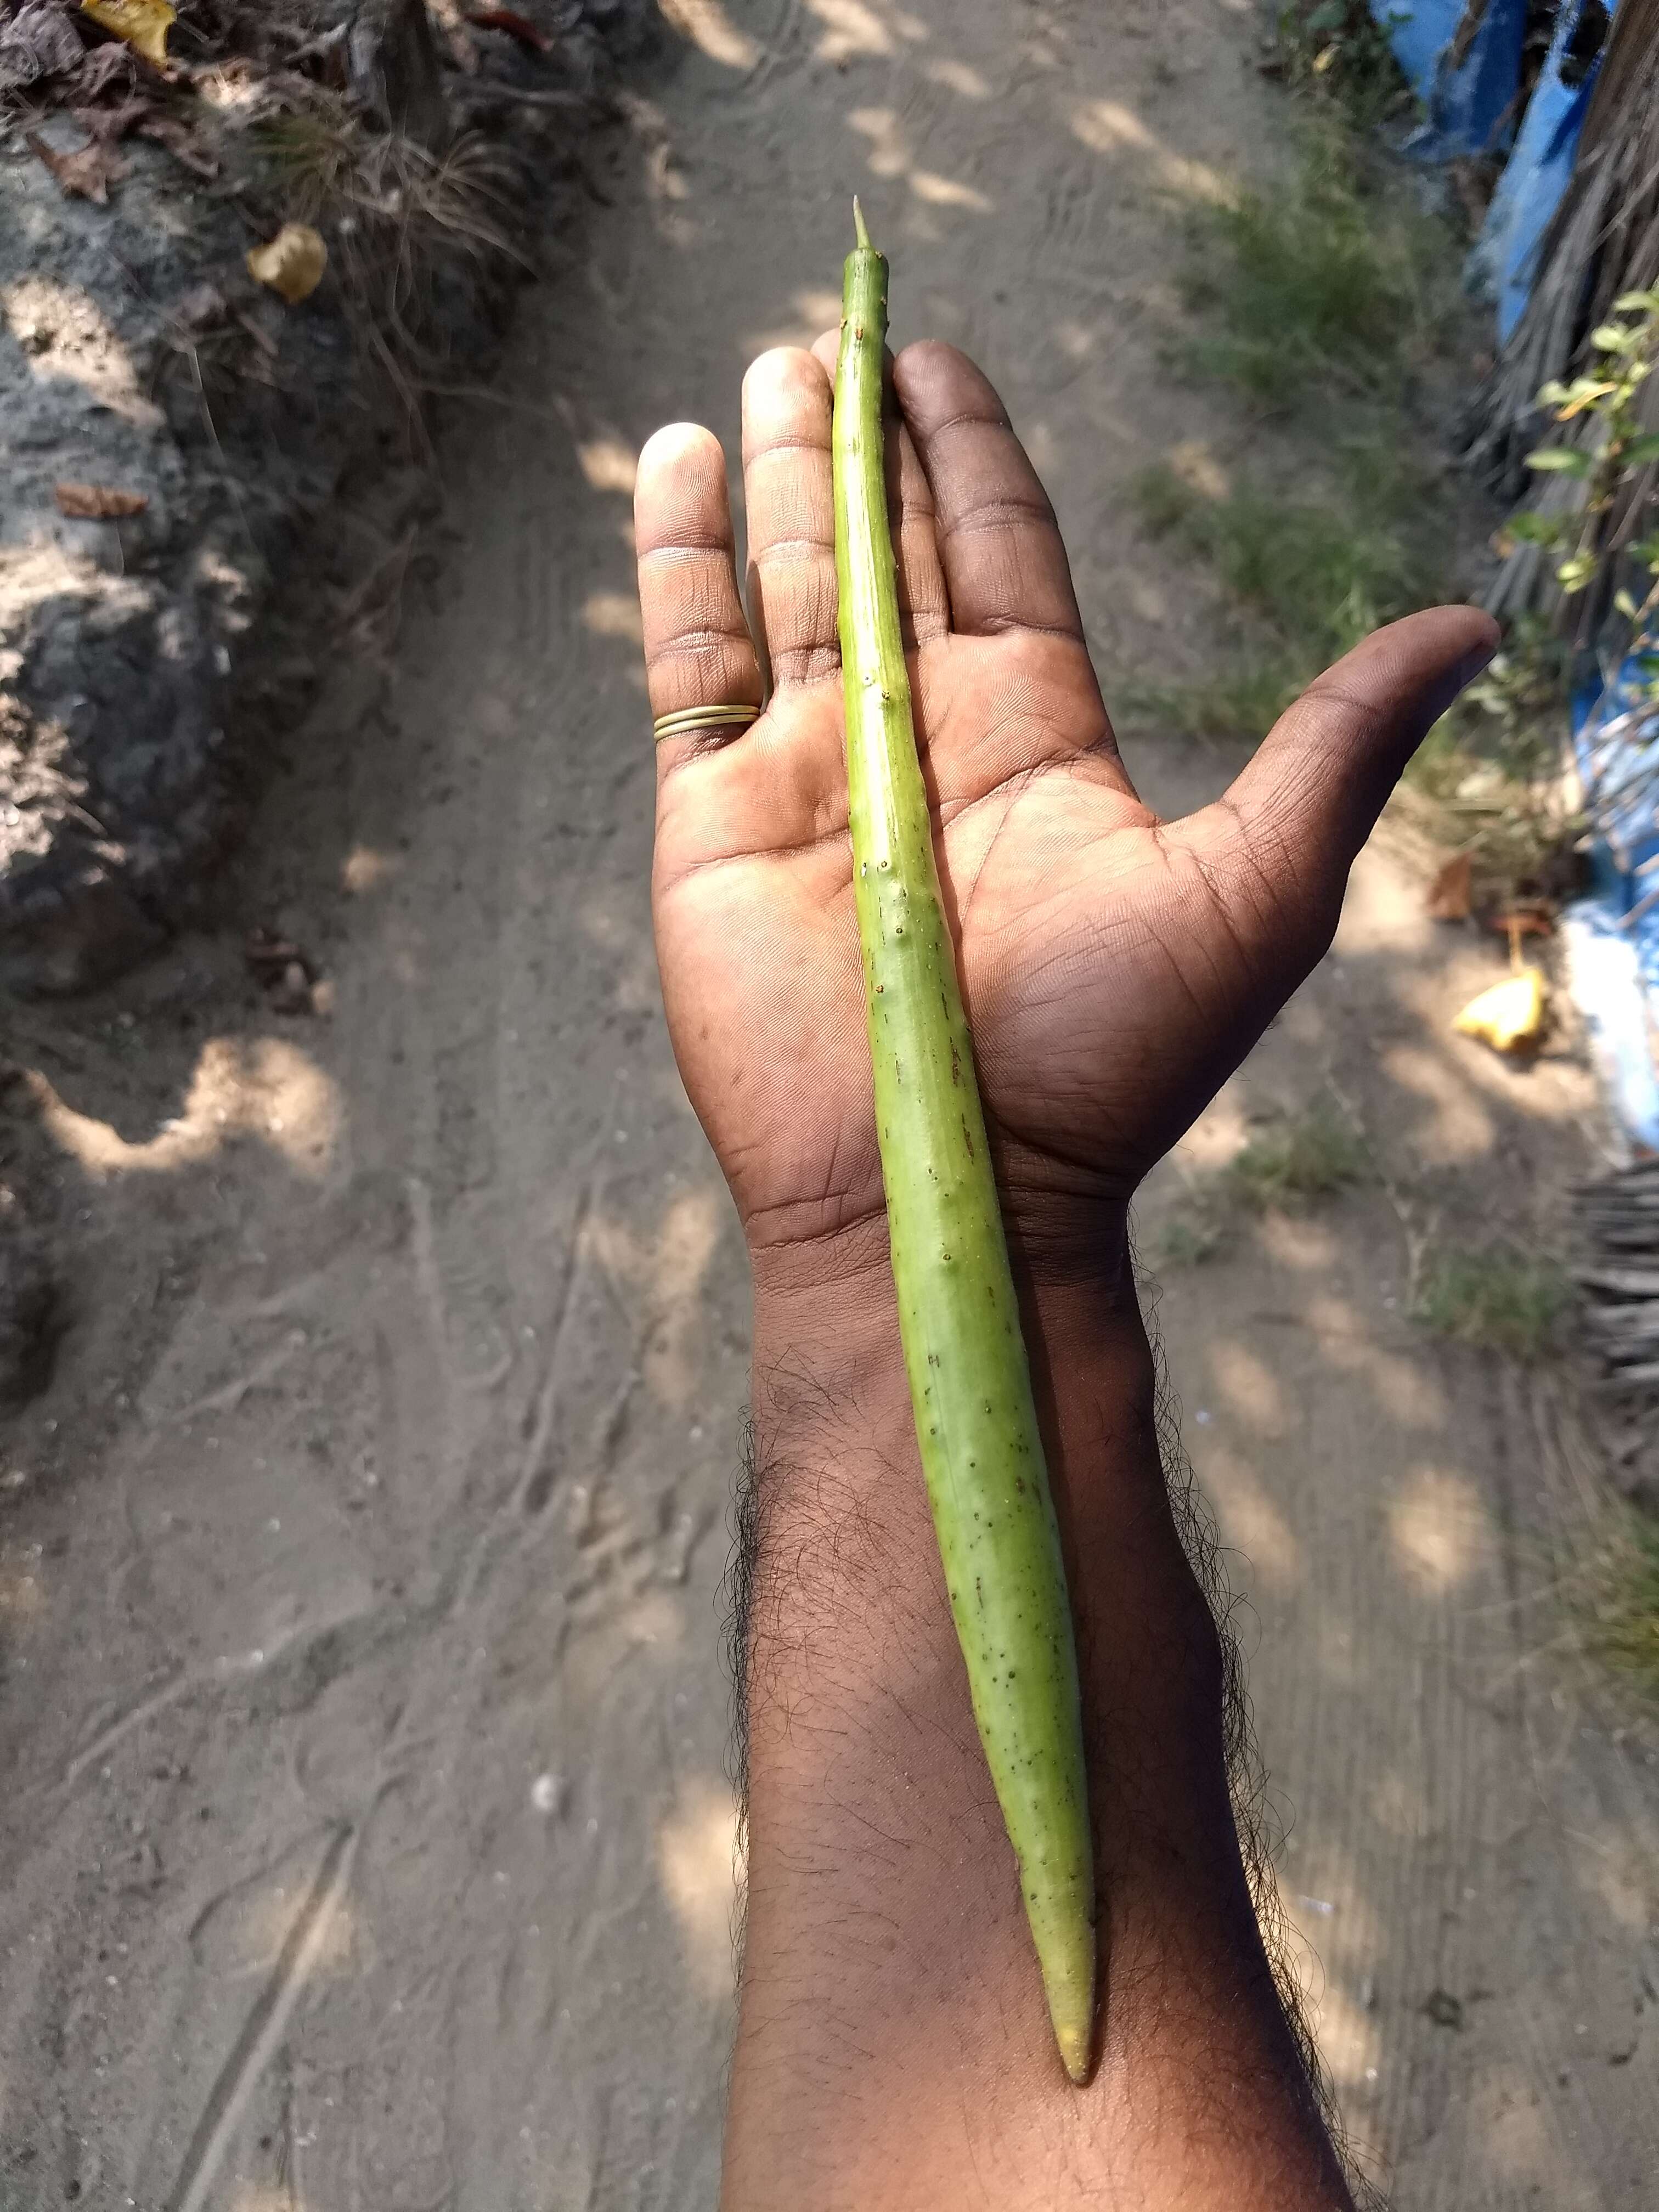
(109, 753)
(137, 358)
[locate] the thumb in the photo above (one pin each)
(1320, 778)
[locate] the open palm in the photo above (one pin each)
(1116, 967)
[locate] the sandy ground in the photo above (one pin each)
(366, 1832)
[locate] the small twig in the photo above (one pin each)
(396, 563)
(478, 89)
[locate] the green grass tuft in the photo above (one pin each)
(1297, 1162)
(1189, 1237)
(1320, 579)
(1335, 50)
(1502, 1299)
(1242, 698)
(1309, 580)
(1336, 283)
(1625, 1612)
(1327, 303)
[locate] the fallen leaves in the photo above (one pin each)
(182, 142)
(88, 503)
(109, 125)
(104, 70)
(1449, 895)
(88, 171)
(292, 263)
(39, 42)
(141, 24)
(1509, 1015)
(515, 26)
(288, 979)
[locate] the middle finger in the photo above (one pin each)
(789, 497)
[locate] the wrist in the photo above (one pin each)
(825, 1307)
(841, 1529)
(830, 1399)
(883, 1908)
(1067, 1230)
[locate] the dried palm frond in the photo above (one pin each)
(1620, 1277)
(1602, 243)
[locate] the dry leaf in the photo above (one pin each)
(181, 143)
(89, 171)
(1448, 894)
(1509, 1015)
(37, 42)
(292, 263)
(98, 502)
(516, 27)
(110, 124)
(104, 68)
(141, 24)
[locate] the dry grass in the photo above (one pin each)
(404, 226)
(1622, 1607)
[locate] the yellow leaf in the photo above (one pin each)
(143, 24)
(292, 263)
(1510, 1016)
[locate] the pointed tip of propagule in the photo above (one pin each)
(1075, 2052)
(857, 225)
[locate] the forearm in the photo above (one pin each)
(893, 2048)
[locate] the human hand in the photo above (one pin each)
(1116, 967)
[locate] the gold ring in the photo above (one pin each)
(690, 721)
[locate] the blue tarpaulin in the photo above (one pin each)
(1468, 81)
(1613, 934)
(1468, 98)
(1537, 172)
(1469, 85)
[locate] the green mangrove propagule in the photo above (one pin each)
(970, 1387)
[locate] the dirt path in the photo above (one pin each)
(366, 1832)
